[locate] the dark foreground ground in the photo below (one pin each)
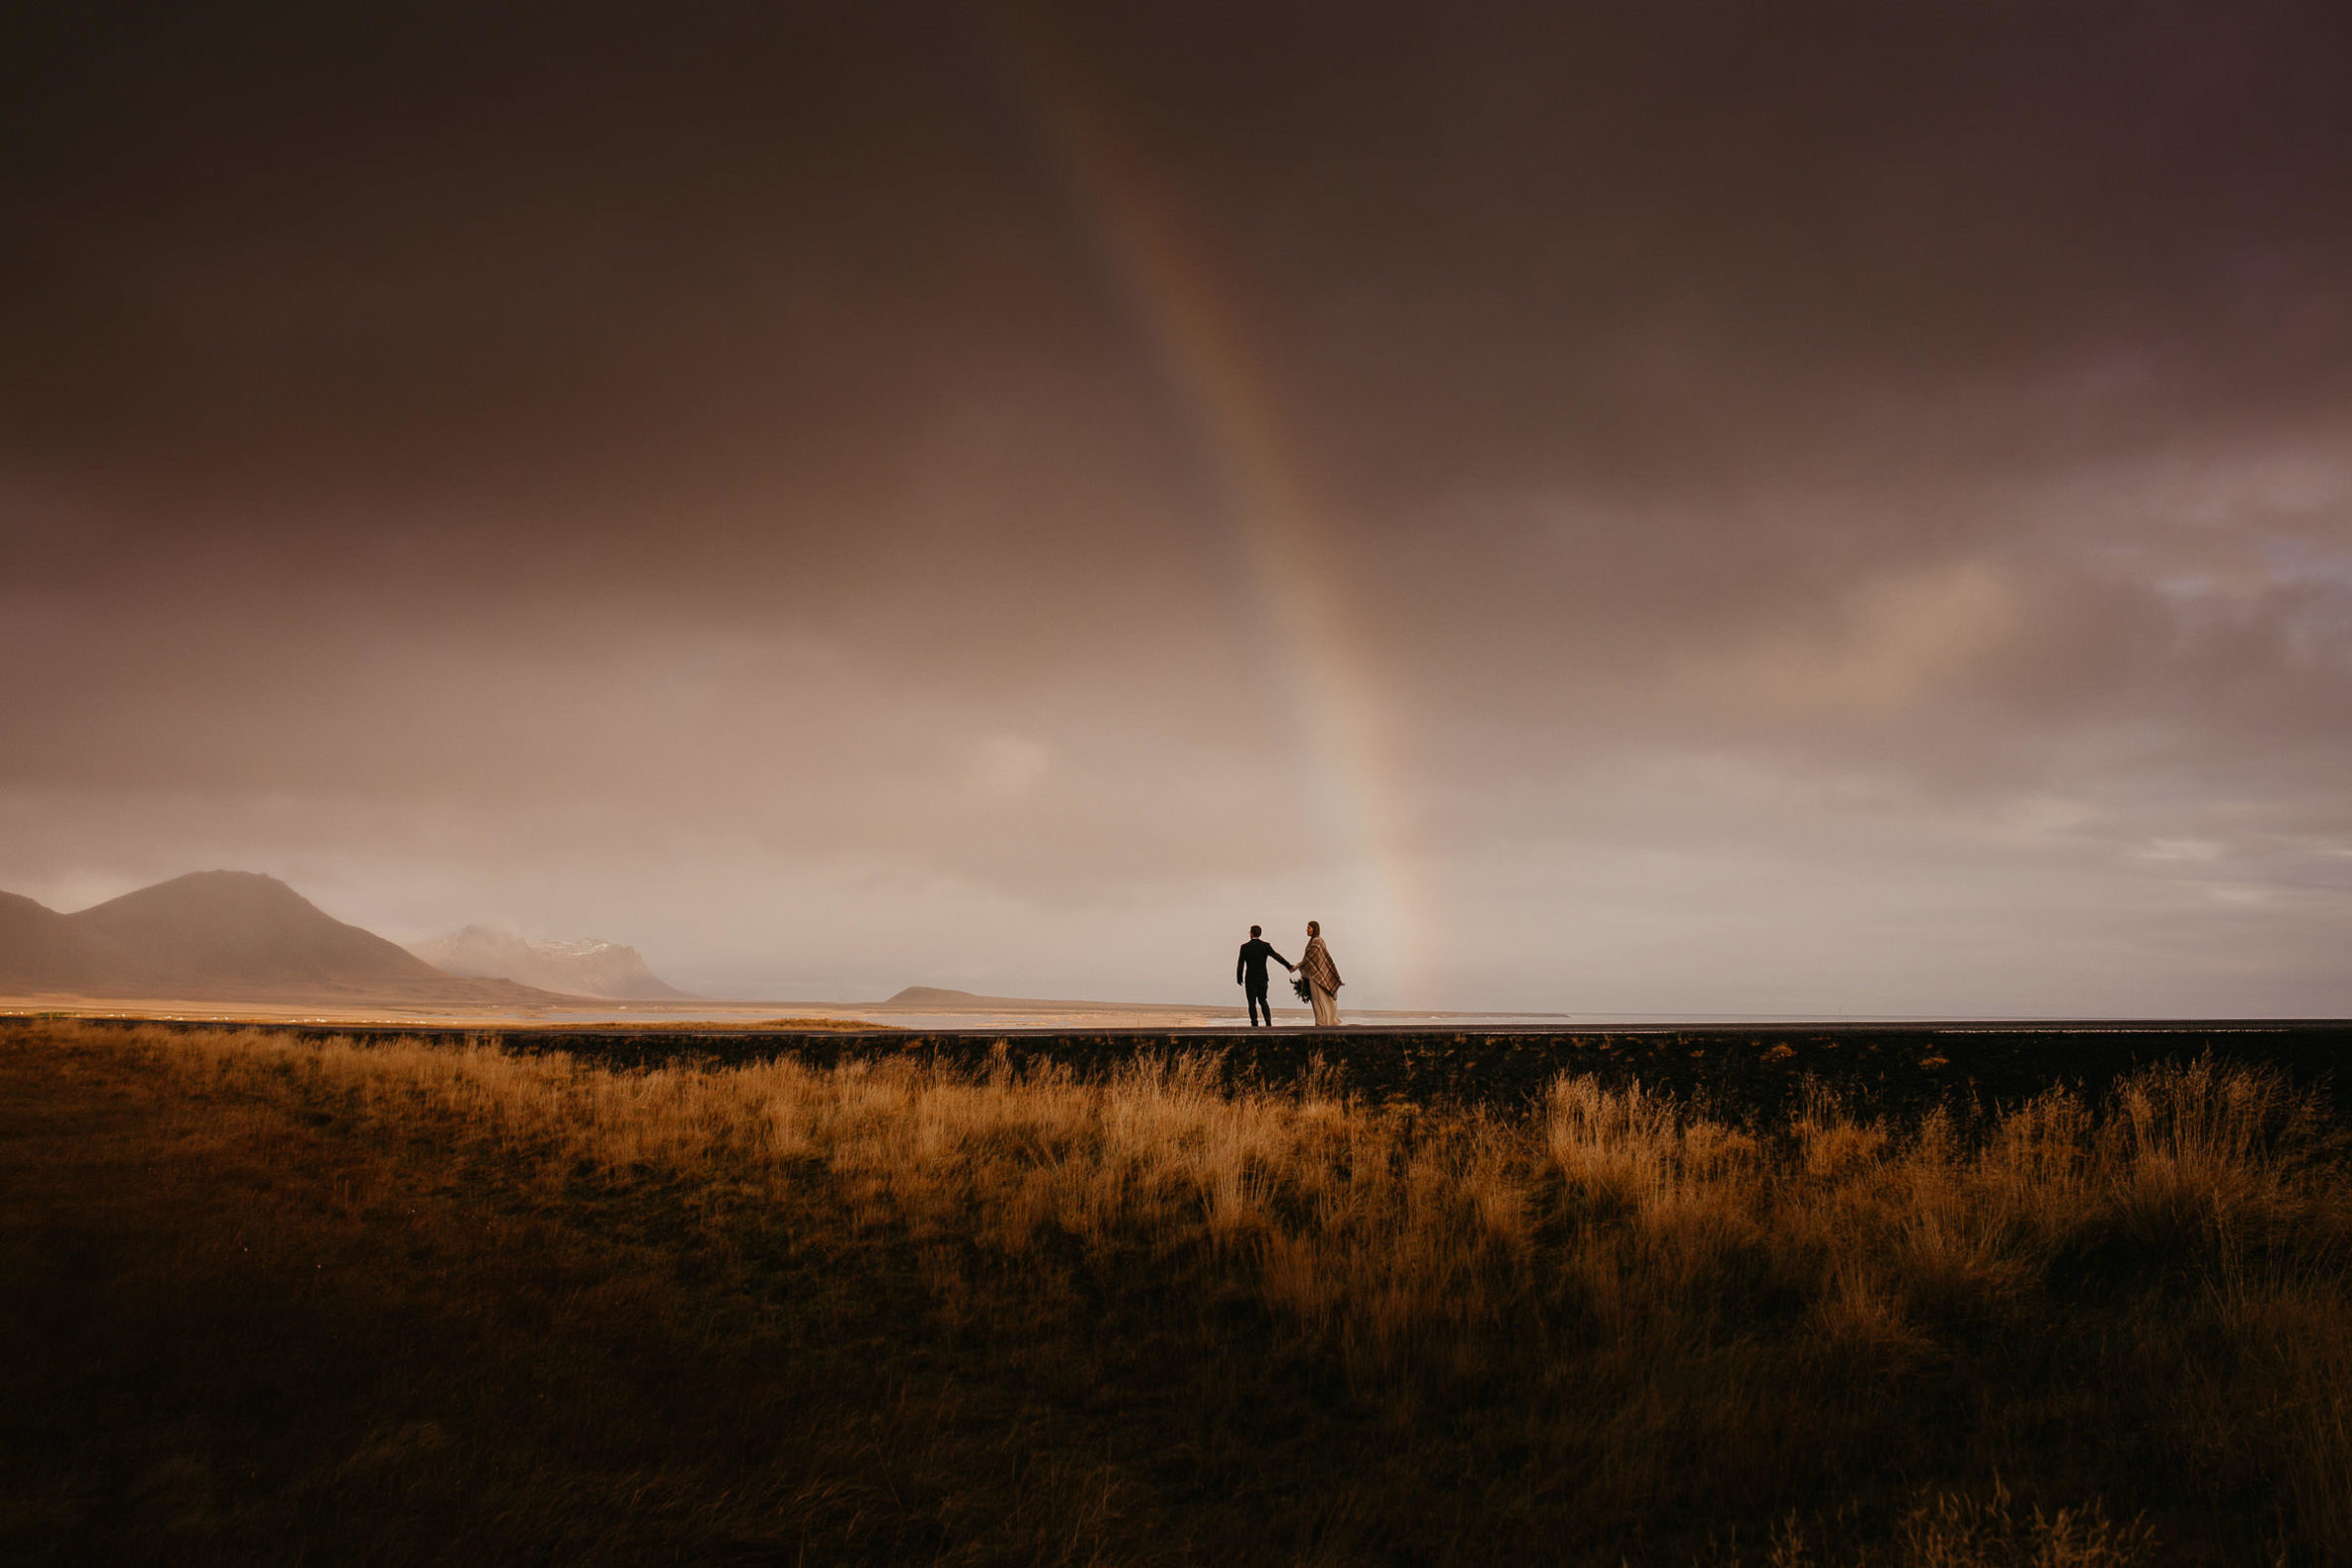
(237, 1328)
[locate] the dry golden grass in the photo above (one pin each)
(799, 1023)
(1873, 1334)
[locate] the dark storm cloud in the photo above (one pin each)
(720, 428)
(1655, 247)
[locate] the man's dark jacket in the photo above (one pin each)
(1250, 970)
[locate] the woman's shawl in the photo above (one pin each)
(1316, 964)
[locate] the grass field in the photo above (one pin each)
(271, 1298)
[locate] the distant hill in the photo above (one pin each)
(42, 950)
(935, 996)
(586, 968)
(938, 999)
(227, 935)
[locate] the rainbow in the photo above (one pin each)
(1164, 266)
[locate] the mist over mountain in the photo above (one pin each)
(592, 967)
(221, 935)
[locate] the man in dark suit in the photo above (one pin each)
(1249, 972)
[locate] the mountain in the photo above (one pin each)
(221, 935)
(586, 968)
(935, 996)
(42, 950)
(939, 998)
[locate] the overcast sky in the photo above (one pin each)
(1703, 508)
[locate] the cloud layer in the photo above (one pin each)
(1844, 509)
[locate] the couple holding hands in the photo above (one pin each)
(1317, 978)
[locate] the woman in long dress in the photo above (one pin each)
(1322, 977)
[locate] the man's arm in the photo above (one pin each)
(1279, 959)
(1240, 963)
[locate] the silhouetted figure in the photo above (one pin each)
(1322, 977)
(1249, 972)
